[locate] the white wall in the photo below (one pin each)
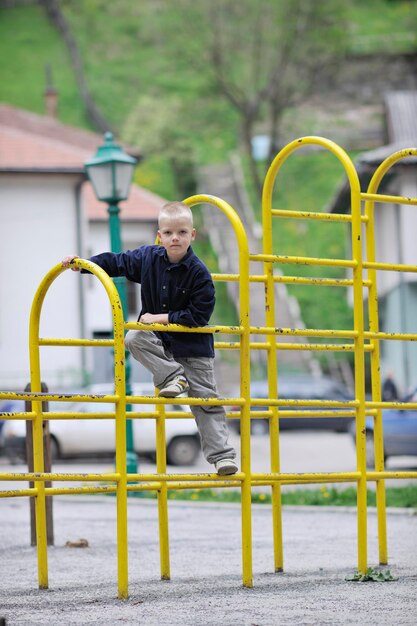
(395, 228)
(98, 313)
(409, 222)
(38, 227)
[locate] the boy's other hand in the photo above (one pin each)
(66, 262)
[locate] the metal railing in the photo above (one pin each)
(359, 341)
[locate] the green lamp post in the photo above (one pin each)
(110, 171)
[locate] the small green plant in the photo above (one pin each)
(372, 575)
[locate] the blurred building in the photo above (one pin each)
(49, 210)
(395, 228)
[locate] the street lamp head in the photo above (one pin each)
(110, 171)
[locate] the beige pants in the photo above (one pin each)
(148, 349)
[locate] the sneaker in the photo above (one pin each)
(226, 467)
(174, 387)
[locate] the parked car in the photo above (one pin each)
(400, 432)
(81, 438)
(8, 406)
(301, 387)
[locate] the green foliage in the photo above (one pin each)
(146, 64)
(382, 26)
(372, 575)
(27, 44)
(155, 173)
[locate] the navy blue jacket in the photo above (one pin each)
(184, 290)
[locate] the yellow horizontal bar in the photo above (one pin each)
(315, 403)
(234, 278)
(112, 399)
(15, 493)
(302, 280)
(177, 328)
(393, 267)
(231, 345)
(301, 260)
(108, 415)
(18, 416)
(61, 397)
(312, 347)
(59, 477)
(75, 342)
(303, 332)
(389, 475)
(391, 336)
(348, 476)
(183, 477)
(203, 485)
(316, 413)
(316, 481)
(314, 215)
(145, 487)
(189, 401)
(303, 413)
(391, 199)
(58, 491)
(64, 491)
(401, 406)
(330, 282)
(324, 347)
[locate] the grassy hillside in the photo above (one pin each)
(28, 44)
(127, 57)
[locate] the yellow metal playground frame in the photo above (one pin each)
(360, 342)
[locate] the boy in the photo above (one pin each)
(176, 288)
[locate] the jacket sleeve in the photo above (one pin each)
(128, 264)
(200, 306)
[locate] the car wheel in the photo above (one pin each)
(183, 451)
(55, 453)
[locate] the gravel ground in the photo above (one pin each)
(320, 550)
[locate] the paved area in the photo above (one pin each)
(320, 550)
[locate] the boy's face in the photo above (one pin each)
(176, 236)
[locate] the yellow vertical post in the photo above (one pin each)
(244, 311)
(245, 411)
(161, 468)
(376, 382)
(359, 359)
(375, 355)
(121, 460)
(38, 459)
(272, 369)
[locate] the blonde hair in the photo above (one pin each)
(175, 210)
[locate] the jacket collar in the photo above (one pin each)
(186, 260)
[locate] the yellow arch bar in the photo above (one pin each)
(120, 402)
(359, 341)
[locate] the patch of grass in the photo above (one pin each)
(27, 44)
(382, 26)
(372, 575)
(402, 497)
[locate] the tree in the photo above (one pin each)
(264, 56)
(157, 125)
